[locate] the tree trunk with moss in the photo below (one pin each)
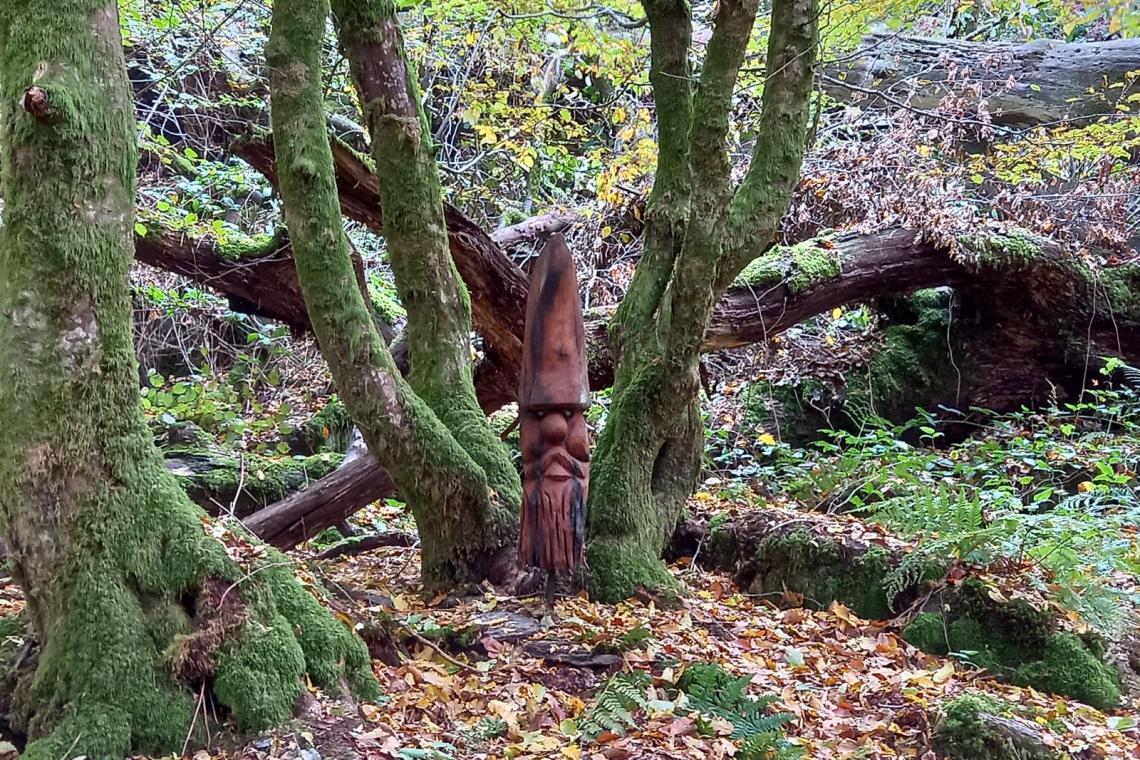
(700, 232)
(137, 607)
(429, 432)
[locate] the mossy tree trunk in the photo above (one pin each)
(700, 232)
(430, 431)
(137, 607)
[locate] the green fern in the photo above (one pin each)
(713, 691)
(930, 510)
(769, 746)
(1131, 374)
(613, 707)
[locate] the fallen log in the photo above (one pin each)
(1043, 82)
(497, 286)
(326, 502)
(1033, 290)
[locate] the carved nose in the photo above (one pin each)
(554, 428)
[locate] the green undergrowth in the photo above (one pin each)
(1018, 642)
(1055, 489)
(704, 691)
(711, 691)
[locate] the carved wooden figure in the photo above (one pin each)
(553, 394)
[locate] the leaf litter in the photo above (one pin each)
(487, 676)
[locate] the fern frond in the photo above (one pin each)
(713, 691)
(613, 707)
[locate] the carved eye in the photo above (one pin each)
(567, 413)
(540, 413)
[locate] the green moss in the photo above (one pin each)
(1067, 666)
(811, 265)
(258, 671)
(800, 267)
(238, 247)
(385, 299)
(914, 365)
(617, 571)
(1023, 625)
(983, 646)
(1122, 286)
(329, 430)
(1015, 640)
(797, 411)
(638, 486)
(1012, 248)
(766, 269)
(331, 649)
(820, 570)
(963, 733)
(218, 480)
(928, 632)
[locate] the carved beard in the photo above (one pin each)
(556, 477)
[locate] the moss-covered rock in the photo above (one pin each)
(977, 727)
(1068, 666)
(1016, 641)
(928, 632)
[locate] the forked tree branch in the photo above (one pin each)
(691, 289)
(763, 196)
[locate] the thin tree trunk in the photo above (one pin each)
(648, 457)
(436, 299)
(464, 523)
(137, 607)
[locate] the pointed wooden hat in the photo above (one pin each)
(554, 344)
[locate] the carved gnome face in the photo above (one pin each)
(553, 394)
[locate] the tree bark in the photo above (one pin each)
(648, 457)
(464, 509)
(1043, 82)
(136, 606)
(498, 287)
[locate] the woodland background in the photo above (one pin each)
(915, 532)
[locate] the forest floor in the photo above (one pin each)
(493, 676)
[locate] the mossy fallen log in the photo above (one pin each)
(223, 481)
(1016, 641)
(979, 727)
(811, 560)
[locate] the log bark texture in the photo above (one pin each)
(1042, 82)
